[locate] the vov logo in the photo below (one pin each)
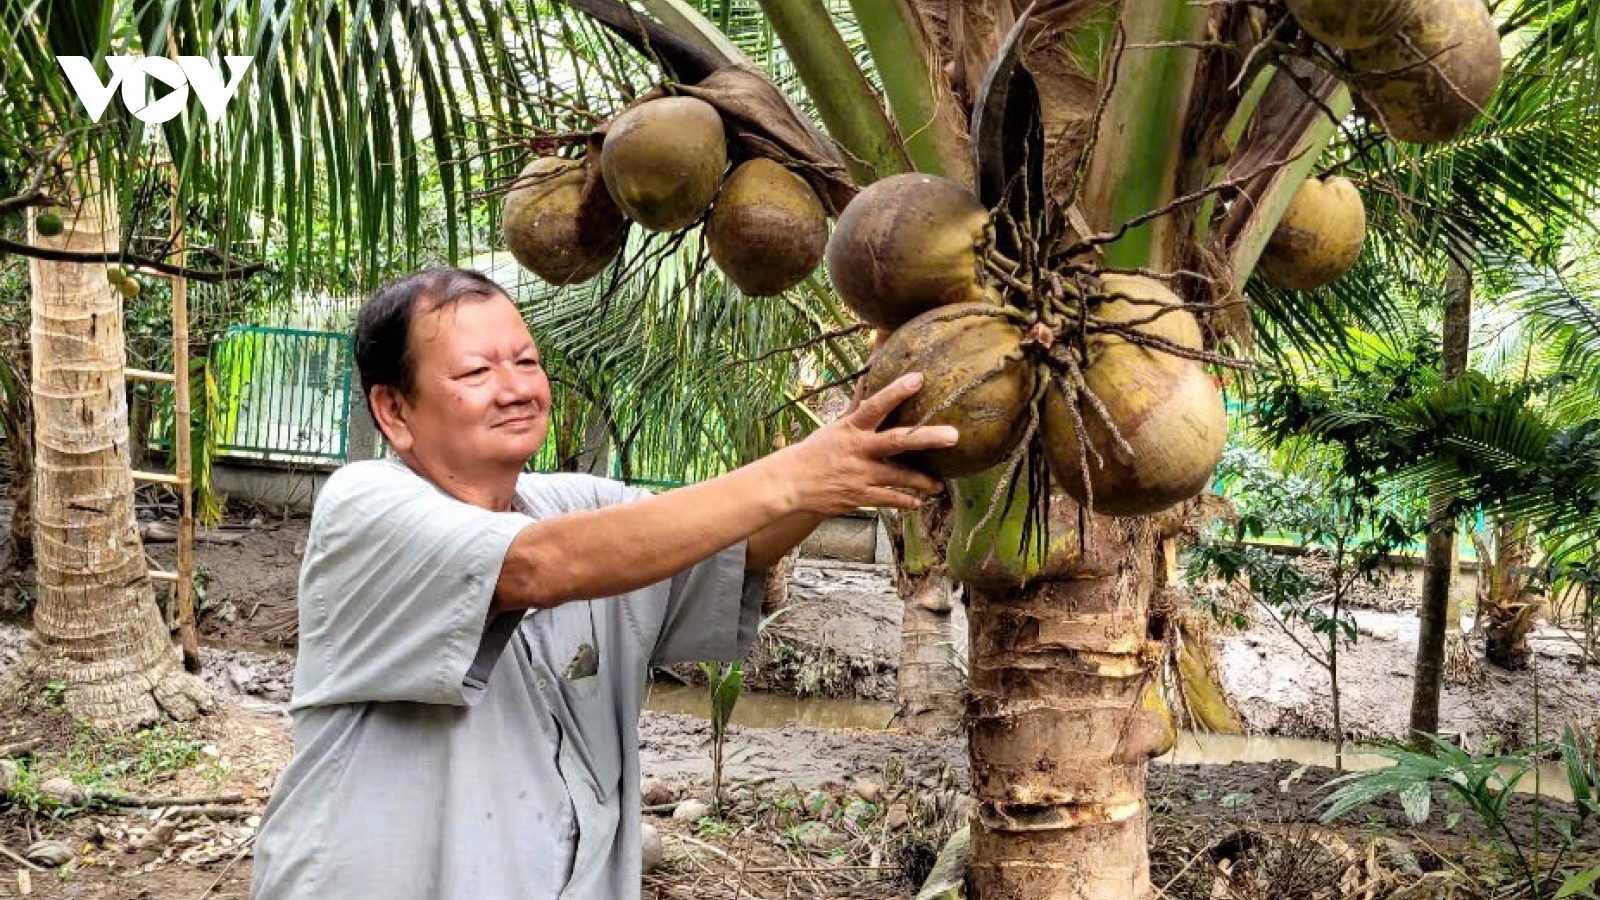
(131, 72)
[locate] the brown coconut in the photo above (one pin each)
(1166, 407)
(1319, 237)
(663, 161)
(955, 347)
(767, 230)
(908, 244)
(1353, 24)
(559, 224)
(1428, 81)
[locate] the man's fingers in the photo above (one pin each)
(891, 475)
(922, 437)
(876, 408)
(888, 498)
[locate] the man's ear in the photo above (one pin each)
(390, 410)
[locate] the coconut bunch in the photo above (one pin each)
(663, 165)
(1101, 376)
(1424, 69)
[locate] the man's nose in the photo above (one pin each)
(517, 386)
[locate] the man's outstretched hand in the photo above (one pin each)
(844, 464)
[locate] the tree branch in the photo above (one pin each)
(209, 276)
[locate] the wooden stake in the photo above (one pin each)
(184, 588)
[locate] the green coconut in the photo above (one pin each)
(908, 244)
(49, 224)
(663, 161)
(1428, 81)
(970, 349)
(129, 288)
(1166, 407)
(767, 230)
(1319, 237)
(560, 224)
(1353, 24)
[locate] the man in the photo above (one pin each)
(475, 642)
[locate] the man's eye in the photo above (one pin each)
(481, 370)
(528, 363)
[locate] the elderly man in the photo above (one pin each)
(475, 641)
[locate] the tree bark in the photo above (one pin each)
(1063, 723)
(930, 686)
(1508, 616)
(1439, 556)
(96, 626)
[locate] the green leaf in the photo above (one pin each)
(1578, 883)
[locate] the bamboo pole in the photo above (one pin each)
(184, 588)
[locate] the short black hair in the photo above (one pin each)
(383, 327)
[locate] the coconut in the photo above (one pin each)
(1319, 237)
(663, 161)
(768, 229)
(558, 227)
(49, 224)
(129, 288)
(908, 244)
(1166, 407)
(969, 349)
(1353, 24)
(1429, 80)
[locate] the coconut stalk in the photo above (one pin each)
(845, 100)
(925, 109)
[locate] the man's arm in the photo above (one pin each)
(773, 542)
(604, 552)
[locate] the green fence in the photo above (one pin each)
(285, 393)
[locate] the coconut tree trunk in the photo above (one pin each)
(1508, 617)
(931, 686)
(1063, 722)
(97, 629)
(1439, 556)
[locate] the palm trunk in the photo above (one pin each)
(1063, 722)
(1509, 615)
(931, 688)
(96, 627)
(1439, 556)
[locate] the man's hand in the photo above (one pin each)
(842, 465)
(860, 393)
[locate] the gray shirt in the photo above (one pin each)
(440, 753)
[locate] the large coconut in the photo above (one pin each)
(560, 226)
(1166, 407)
(961, 349)
(1319, 237)
(908, 244)
(768, 229)
(1429, 80)
(1353, 24)
(663, 161)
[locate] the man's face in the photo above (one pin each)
(480, 398)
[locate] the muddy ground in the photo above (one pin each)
(1210, 823)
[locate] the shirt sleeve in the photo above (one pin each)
(712, 611)
(395, 592)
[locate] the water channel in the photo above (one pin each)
(764, 710)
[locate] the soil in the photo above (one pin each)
(1209, 822)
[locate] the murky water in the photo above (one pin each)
(764, 710)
